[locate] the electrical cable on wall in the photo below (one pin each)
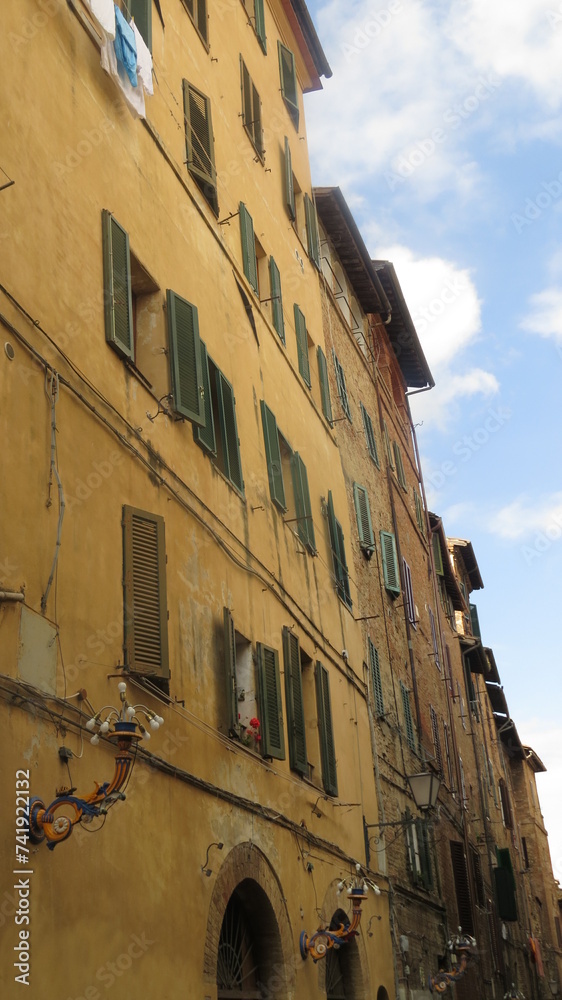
(52, 393)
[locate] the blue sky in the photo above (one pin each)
(442, 124)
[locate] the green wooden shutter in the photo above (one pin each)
(205, 434)
(462, 887)
(344, 591)
(256, 129)
(276, 299)
(289, 183)
(185, 358)
(259, 23)
(295, 706)
(390, 562)
(434, 638)
(118, 299)
(324, 385)
(376, 682)
(144, 586)
(248, 247)
(400, 475)
(271, 707)
(200, 154)
(246, 87)
(437, 554)
(141, 10)
(230, 672)
(370, 436)
(202, 19)
(341, 386)
(363, 511)
(288, 77)
(419, 511)
(312, 230)
(303, 510)
(326, 731)
(408, 722)
(422, 831)
(302, 345)
(474, 621)
(273, 456)
(338, 553)
(229, 431)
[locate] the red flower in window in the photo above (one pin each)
(255, 723)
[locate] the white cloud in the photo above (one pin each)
(545, 316)
(525, 517)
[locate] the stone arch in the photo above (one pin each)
(382, 993)
(247, 870)
(352, 956)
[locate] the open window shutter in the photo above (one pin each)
(326, 731)
(341, 386)
(271, 707)
(273, 456)
(230, 672)
(205, 434)
(419, 511)
(256, 129)
(338, 553)
(295, 708)
(390, 562)
(247, 110)
(289, 185)
(387, 445)
(363, 511)
(201, 6)
(305, 525)
(288, 78)
(248, 247)
(259, 23)
(505, 885)
(199, 139)
(474, 621)
(312, 230)
(436, 740)
(118, 300)
(410, 735)
(412, 845)
(144, 584)
(399, 466)
(324, 385)
(437, 555)
(376, 682)
(425, 853)
(462, 889)
(185, 358)
(434, 638)
(344, 582)
(370, 436)
(227, 413)
(302, 345)
(141, 10)
(276, 299)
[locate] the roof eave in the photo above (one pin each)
(406, 339)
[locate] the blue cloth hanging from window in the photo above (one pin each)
(125, 46)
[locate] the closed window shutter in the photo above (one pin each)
(201, 6)
(199, 141)
(437, 555)
(295, 707)
(338, 553)
(390, 562)
(436, 740)
(271, 707)
(276, 299)
(273, 456)
(376, 679)
(505, 894)
(288, 78)
(302, 345)
(185, 358)
(312, 230)
(289, 184)
(227, 415)
(305, 525)
(474, 621)
(326, 732)
(118, 300)
(248, 247)
(230, 673)
(144, 576)
(400, 474)
(462, 888)
(259, 23)
(363, 511)
(324, 385)
(434, 638)
(341, 386)
(408, 722)
(370, 436)
(141, 11)
(205, 434)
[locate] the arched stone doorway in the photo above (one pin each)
(248, 948)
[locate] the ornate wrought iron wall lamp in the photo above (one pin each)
(463, 946)
(44, 824)
(320, 943)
